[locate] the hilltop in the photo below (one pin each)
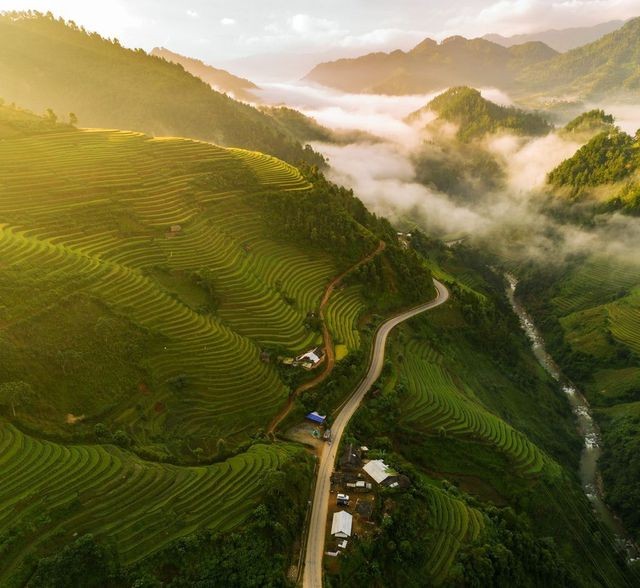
(218, 79)
(605, 169)
(432, 66)
(49, 63)
(476, 116)
(604, 69)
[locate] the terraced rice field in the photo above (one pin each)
(92, 212)
(440, 404)
(343, 312)
(452, 524)
(594, 282)
(53, 492)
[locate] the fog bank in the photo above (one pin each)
(513, 219)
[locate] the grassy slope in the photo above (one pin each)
(113, 329)
(46, 63)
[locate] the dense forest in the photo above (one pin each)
(609, 157)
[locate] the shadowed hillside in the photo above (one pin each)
(47, 63)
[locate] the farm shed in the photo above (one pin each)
(380, 471)
(316, 418)
(341, 524)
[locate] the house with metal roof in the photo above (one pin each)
(341, 524)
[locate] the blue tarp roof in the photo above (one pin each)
(316, 418)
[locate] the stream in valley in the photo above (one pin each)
(588, 428)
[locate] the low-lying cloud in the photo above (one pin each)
(513, 219)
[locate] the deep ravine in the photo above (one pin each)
(589, 472)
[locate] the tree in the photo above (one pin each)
(73, 119)
(14, 394)
(51, 116)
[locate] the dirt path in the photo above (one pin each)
(327, 340)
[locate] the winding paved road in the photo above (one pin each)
(317, 524)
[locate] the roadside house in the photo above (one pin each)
(341, 524)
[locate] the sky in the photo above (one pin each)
(220, 31)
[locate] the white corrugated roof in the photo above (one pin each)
(341, 524)
(378, 470)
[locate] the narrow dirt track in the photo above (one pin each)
(327, 340)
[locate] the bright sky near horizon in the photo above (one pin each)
(217, 31)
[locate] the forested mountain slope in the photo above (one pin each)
(431, 66)
(219, 79)
(47, 63)
(605, 69)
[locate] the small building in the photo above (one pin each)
(351, 458)
(311, 359)
(380, 472)
(360, 486)
(342, 544)
(316, 418)
(341, 524)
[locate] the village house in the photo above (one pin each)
(341, 524)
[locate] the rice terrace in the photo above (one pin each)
(316, 296)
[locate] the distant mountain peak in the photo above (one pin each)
(560, 39)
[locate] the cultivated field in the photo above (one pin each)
(149, 253)
(439, 403)
(52, 493)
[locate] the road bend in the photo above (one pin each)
(317, 524)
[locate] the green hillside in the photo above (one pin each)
(432, 66)
(609, 157)
(488, 442)
(476, 116)
(53, 493)
(604, 171)
(590, 315)
(590, 122)
(47, 63)
(605, 69)
(143, 277)
(140, 281)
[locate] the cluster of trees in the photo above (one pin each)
(331, 219)
(609, 157)
(620, 466)
(509, 554)
(87, 74)
(592, 120)
(477, 116)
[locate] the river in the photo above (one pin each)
(589, 472)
